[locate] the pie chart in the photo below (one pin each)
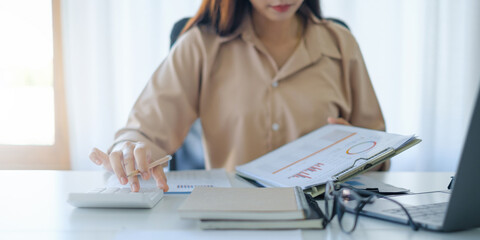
(361, 147)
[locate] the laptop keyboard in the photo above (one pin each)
(428, 212)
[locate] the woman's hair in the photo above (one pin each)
(226, 15)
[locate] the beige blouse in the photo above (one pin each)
(248, 106)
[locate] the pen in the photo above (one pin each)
(152, 164)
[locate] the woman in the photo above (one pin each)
(259, 74)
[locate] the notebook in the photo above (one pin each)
(261, 224)
(313, 217)
(245, 204)
(444, 211)
(252, 208)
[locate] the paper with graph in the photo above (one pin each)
(332, 152)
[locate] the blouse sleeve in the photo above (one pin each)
(364, 108)
(167, 107)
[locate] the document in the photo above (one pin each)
(333, 152)
(183, 181)
(186, 181)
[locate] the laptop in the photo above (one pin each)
(453, 210)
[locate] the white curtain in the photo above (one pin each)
(111, 49)
(423, 58)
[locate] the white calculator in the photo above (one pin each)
(114, 197)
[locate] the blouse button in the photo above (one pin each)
(275, 127)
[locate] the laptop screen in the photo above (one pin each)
(463, 210)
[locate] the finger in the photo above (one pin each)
(341, 121)
(107, 165)
(140, 154)
(331, 120)
(116, 159)
(160, 178)
(129, 165)
(98, 157)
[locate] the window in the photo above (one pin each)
(33, 126)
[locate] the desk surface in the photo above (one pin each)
(34, 207)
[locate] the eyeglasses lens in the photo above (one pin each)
(329, 200)
(347, 199)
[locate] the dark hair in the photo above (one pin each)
(226, 15)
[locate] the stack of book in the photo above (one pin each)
(252, 208)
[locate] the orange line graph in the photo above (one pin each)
(289, 165)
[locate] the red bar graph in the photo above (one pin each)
(306, 172)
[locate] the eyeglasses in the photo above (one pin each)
(339, 198)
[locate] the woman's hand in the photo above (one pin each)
(332, 120)
(122, 161)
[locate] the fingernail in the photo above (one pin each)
(134, 187)
(123, 180)
(145, 176)
(98, 162)
(165, 188)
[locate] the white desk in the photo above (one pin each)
(33, 206)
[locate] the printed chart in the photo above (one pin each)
(306, 172)
(361, 147)
(319, 156)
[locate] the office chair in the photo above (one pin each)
(190, 154)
